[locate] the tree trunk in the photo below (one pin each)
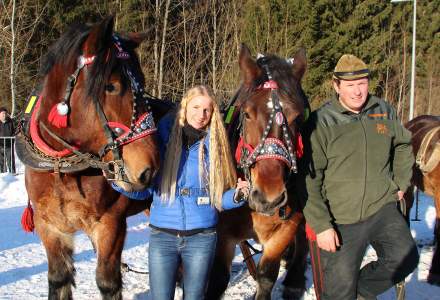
(156, 48)
(237, 41)
(162, 48)
(214, 48)
(185, 54)
(430, 93)
(401, 101)
(12, 73)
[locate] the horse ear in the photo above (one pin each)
(249, 68)
(299, 63)
(137, 37)
(100, 37)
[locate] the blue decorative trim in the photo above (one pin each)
(135, 195)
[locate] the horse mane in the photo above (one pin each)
(282, 73)
(66, 50)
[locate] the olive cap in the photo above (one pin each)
(349, 67)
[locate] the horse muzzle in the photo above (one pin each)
(128, 180)
(259, 203)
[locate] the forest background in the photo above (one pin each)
(197, 42)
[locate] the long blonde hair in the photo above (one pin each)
(221, 174)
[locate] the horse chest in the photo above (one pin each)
(265, 226)
(431, 182)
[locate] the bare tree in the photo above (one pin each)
(214, 46)
(12, 72)
(162, 48)
(156, 47)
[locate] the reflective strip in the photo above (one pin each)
(30, 104)
(229, 115)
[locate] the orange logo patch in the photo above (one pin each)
(381, 129)
(377, 115)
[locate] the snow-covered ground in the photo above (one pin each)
(23, 264)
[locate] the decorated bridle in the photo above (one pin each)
(269, 147)
(117, 134)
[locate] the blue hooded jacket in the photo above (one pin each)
(191, 208)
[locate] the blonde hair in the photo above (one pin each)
(221, 175)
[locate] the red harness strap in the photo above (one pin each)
(238, 151)
(317, 271)
(36, 138)
(299, 146)
(135, 136)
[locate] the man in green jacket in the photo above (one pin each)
(361, 164)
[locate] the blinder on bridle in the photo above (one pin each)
(117, 134)
(268, 147)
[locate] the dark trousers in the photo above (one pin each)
(7, 159)
(397, 256)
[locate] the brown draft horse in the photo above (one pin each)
(426, 175)
(264, 130)
(109, 131)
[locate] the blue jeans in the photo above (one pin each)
(167, 251)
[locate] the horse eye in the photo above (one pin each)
(112, 88)
(246, 115)
(109, 87)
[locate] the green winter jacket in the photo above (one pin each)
(358, 162)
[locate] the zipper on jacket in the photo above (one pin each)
(365, 163)
(182, 198)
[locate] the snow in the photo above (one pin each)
(23, 263)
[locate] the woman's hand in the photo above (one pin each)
(242, 190)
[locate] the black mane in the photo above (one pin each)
(66, 50)
(282, 74)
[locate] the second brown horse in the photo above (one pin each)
(264, 133)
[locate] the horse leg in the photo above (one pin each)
(295, 280)
(59, 250)
(220, 273)
(267, 272)
(109, 237)
(434, 272)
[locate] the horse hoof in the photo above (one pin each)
(290, 293)
(434, 279)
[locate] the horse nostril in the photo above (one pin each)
(145, 176)
(254, 194)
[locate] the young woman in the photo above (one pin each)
(196, 181)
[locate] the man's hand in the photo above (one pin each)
(328, 240)
(400, 195)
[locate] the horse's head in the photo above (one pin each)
(271, 103)
(93, 81)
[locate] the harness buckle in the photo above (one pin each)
(115, 170)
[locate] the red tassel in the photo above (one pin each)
(27, 218)
(56, 119)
